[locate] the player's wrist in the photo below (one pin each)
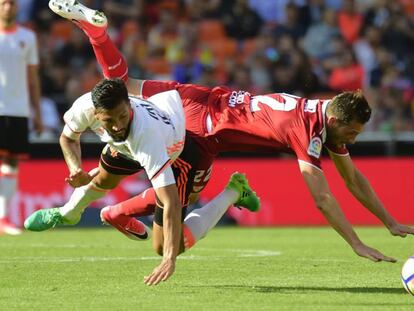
(75, 170)
(390, 223)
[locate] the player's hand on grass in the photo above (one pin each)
(371, 253)
(80, 178)
(161, 273)
(401, 230)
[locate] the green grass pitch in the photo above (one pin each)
(231, 269)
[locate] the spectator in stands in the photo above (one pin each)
(350, 21)
(348, 76)
(198, 10)
(163, 34)
(240, 79)
(240, 21)
(121, 10)
(365, 51)
(318, 37)
(293, 26)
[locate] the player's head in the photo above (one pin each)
(112, 107)
(346, 115)
(8, 12)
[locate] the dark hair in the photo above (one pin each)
(109, 93)
(350, 106)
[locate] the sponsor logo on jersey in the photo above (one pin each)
(237, 98)
(315, 147)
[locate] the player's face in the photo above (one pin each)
(8, 10)
(116, 121)
(339, 133)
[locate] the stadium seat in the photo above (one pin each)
(222, 47)
(211, 29)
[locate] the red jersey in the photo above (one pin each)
(237, 121)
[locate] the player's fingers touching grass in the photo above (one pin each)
(401, 230)
(161, 273)
(372, 254)
(381, 257)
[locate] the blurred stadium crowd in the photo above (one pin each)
(312, 48)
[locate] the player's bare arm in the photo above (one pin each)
(72, 154)
(34, 89)
(170, 233)
(326, 202)
(362, 190)
(134, 86)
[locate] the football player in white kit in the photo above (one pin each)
(18, 64)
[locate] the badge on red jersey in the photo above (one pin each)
(315, 147)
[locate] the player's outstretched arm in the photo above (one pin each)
(171, 232)
(327, 204)
(362, 190)
(72, 154)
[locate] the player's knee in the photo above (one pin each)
(105, 181)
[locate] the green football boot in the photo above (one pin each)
(44, 219)
(248, 198)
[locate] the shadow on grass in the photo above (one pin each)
(309, 289)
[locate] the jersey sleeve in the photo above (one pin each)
(76, 121)
(307, 147)
(32, 55)
(339, 150)
(152, 87)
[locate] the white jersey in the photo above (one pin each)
(156, 137)
(18, 49)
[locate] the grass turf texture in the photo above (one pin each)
(232, 269)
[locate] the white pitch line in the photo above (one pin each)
(241, 254)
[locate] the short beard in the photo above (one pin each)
(118, 139)
(9, 21)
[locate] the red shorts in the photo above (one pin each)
(195, 102)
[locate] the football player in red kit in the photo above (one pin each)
(221, 119)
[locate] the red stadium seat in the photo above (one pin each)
(211, 29)
(222, 47)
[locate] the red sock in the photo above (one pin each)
(110, 58)
(94, 33)
(107, 54)
(189, 239)
(140, 205)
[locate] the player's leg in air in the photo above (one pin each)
(94, 25)
(194, 167)
(200, 221)
(112, 169)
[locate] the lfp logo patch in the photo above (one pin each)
(315, 147)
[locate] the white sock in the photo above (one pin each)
(8, 186)
(80, 199)
(201, 220)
